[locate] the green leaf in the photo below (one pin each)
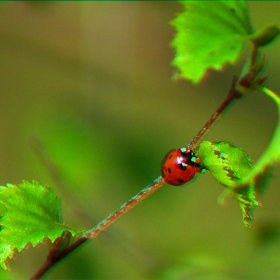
(209, 35)
(229, 165)
(260, 175)
(30, 213)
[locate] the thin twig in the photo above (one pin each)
(144, 257)
(53, 259)
(157, 183)
(232, 95)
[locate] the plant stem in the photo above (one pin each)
(157, 183)
(271, 93)
(232, 95)
(53, 259)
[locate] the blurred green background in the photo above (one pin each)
(92, 81)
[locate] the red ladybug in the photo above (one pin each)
(179, 166)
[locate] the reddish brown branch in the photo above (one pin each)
(54, 256)
(232, 95)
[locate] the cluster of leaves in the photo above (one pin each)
(201, 44)
(208, 37)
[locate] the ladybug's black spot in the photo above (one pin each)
(183, 166)
(169, 170)
(180, 181)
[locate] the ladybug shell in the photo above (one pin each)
(179, 166)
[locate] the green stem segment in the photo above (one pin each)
(54, 257)
(157, 183)
(272, 152)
